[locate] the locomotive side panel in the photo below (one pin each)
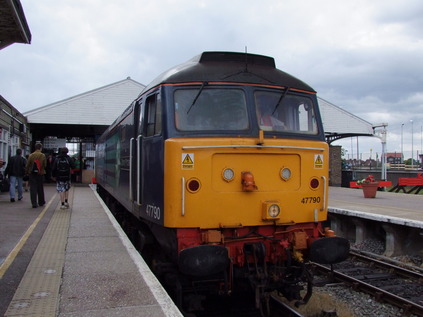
(113, 159)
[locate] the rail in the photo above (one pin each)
(385, 292)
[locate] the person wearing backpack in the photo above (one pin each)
(36, 169)
(61, 172)
(16, 170)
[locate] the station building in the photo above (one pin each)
(14, 130)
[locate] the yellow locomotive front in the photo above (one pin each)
(250, 204)
(236, 182)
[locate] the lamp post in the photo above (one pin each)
(412, 144)
(402, 143)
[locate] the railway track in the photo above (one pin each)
(241, 307)
(387, 282)
(281, 309)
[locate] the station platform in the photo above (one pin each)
(82, 263)
(393, 218)
(396, 208)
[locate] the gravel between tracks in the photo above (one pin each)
(349, 303)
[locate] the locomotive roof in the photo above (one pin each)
(230, 67)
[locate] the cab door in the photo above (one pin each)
(134, 150)
(150, 147)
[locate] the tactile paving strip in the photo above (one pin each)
(38, 292)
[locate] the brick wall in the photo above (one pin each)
(335, 166)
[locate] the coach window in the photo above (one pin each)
(153, 115)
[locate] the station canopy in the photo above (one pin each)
(13, 25)
(339, 123)
(86, 115)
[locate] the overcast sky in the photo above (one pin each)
(364, 56)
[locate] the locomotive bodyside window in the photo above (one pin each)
(210, 109)
(279, 112)
(153, 116)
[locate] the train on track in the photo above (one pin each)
(218, 171)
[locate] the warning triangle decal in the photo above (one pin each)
(187, 160)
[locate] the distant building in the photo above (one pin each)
(14, 131)
(394, 158)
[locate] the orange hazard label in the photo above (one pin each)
(188, 160)
(318, 161)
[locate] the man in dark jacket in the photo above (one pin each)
(61, 172)
(16, 170)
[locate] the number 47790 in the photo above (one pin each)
(310, 200)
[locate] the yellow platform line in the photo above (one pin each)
(12, 255)
(38, 291)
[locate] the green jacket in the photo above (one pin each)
(36, 155)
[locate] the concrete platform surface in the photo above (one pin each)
(398, 208)
(84, 265)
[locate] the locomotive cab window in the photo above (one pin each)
(153, 115)
(210, 109)
(282, 112)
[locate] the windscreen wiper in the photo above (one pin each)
(280, 99)
(205, 83)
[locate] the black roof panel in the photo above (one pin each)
(230, 67)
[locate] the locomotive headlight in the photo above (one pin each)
(271, 210)
(228, 175)
(285, 173)
(274, 211)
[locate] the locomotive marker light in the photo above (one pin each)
(285, 173)
(314, 183)
(271, 210)
(193, 185)
(228, 175)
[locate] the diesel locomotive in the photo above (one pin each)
(219, 173)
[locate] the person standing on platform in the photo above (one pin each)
(16, 171)
(61, 172)
(26, 177)
(36, 169)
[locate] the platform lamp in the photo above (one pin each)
(412, 144)
(402, 144)
(382, 136)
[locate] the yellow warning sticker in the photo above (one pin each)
(187, 160)
(318, 161)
